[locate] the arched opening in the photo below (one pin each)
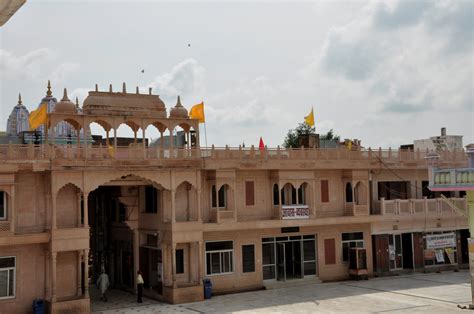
(69, 207)
(185, 204)
(99, 133)
(289, 194)
(220, 199)
(360, 194)
(121, 213)
(303, 196)
(348, 192)
(125, 134)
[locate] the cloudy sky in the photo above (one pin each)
(382, 72)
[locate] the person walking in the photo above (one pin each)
(140, 283)
(103, 285)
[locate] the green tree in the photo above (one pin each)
(330, 136)
(291, 139)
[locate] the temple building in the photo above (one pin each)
(18, 120)
(245, 218)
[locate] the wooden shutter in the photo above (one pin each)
(249, 193)
(330, 251)
(324, 191)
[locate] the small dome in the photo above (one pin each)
(65, 105)
(178, 111)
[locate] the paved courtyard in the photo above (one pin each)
(414, 293)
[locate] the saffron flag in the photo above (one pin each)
(309, 119)
(111, 151)
(38, 117)
(197, 112)
(261, 146)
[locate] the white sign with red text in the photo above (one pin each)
(440, 241)
(295, 212)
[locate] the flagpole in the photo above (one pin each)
(205, 133)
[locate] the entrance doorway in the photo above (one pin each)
(292, 257)
(400, 251)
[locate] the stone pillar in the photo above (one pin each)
(86, 209)
(136, 257)
(234, 198)
(173, 205)
(86, 273)
(200, 262)
(85, 142)
(217, 204)
(173, 265)
(79, 216)
(53, 212)
(11, 204)
(79, 274)
(47, 278)
(53, 276)
(144, 143)
(280, 188)
(115, 138)
(199, 209)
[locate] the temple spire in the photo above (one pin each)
(48, 92)
(19, 100)
(65, 98)
(178, 104)
(77, 102)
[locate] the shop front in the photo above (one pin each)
(440, 249)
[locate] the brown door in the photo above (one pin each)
(381, 253)
(418, 250)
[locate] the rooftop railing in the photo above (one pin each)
(454, 177)
(18, 152)
(418, 206)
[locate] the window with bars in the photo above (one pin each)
(219, 257)
(7, 277)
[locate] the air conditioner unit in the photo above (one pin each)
(358, 263)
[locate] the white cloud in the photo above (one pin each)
(185, 79)
(26, 66)
(61, 72)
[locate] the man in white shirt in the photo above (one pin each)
(140, 283)
(103, 285)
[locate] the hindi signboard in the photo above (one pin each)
(295, 212)
(440, 241)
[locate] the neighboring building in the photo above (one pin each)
(244, 218)
(8, 8)
(443, 142)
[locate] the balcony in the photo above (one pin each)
(452, 179)
(418, 206)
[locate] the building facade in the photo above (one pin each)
(242, 217)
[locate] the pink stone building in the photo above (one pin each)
(242, 217)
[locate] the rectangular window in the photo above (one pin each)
(350, 240)
(330, 251)
(151, 200)
(248, 258)
(180, 261)
(7, 277)
(219, 257)
(3, 205)
(249, 193)
(324, 191)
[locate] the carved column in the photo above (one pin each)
(79, 275)
(12, 209)
(173, 205)
(53, 212)
(199, 209)
(47, 279)
(86, 209)
(200, 262)
(86, 273)
(53, 276)
(173, 264)
(79, 216)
